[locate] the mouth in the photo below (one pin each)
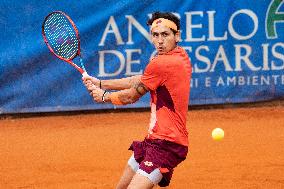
(160, 48)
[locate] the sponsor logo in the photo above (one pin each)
(148, 163)
(273, 17)
(159, 21)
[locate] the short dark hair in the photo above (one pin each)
(166, 15)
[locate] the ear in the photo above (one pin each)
(177, 36)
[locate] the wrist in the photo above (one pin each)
(96, 81)
(104, 96)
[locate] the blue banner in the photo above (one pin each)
(236, 49)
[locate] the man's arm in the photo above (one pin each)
(113, 84)
(120, 84)
(122, 97)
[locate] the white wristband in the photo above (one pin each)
(103, 97)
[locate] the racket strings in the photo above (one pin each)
(61, 36)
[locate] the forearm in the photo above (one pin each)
(122, 97)
(120, 84)
(125, 96)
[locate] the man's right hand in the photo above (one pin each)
(90, 80)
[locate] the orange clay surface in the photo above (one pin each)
(89, 151)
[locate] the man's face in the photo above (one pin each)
(164, 39)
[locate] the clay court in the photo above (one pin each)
(89, 150)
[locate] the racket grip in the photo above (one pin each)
(85, 74)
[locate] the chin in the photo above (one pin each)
(162, 52)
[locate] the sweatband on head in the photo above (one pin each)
(164, 22)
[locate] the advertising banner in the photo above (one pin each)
(236, 49)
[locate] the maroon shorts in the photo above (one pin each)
(162, 154)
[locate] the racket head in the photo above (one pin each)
(61, 36)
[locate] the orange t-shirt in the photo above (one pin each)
(168, 78)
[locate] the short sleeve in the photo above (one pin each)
(154, 74)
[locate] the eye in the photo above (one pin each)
(165, 34)
(155, 35)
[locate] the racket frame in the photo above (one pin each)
(78, 53)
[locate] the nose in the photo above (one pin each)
(160, 40)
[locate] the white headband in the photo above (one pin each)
(164, 22)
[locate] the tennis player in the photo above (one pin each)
(167, 78)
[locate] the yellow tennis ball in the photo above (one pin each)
(218, 134)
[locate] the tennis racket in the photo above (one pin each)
(61, 36)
